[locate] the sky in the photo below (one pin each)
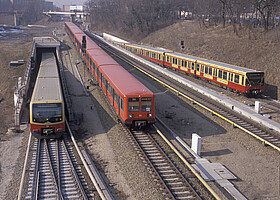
(60, 3)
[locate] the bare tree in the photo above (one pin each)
(266, 8)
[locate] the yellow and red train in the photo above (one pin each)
(47, 114)
(247, 81)
(133, 102)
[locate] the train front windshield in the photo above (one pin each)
(255, 79)
(47, 112)
(134, 104)
(146, 104)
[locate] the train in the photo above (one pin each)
(237, 79)
(47, 113)
(133, 102)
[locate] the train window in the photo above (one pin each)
(220, 73)
(117, 99)
(206, 70)
(231, 77)
(97, 72)
(197, 67)
(47, 112)
(186, 64)
(133, 104)
(236, 79)
(110, 89)
(210, 70)
(167, 58)
(114, 95)
(202, 68)
(146, 104)
(159, 57)
(101, 77)
(192, 66)
(189, 65)
(225, 75)
(121, 103)
(242, 80)
(104, 81)
(247, 82)
(133, 99)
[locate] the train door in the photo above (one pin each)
(193, 67)
(197, 70)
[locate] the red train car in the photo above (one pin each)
(133, 102)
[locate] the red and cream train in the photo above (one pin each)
(247, 81)
(133, 102)
(47, 114)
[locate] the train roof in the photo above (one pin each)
(202, 60)
(127, 84)
(100, 57)
(74, 29)
(158, 50)
(47, 87)
(211, 62)
(91, 44)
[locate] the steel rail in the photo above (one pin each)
(100, 192)
(24, 168)
(157, 159)
(74, 171)
(52, 168)
(153, 167)
(187, 164)
(36, 172)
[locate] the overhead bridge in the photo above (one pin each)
(69, 13)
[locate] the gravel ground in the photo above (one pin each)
(11, 162)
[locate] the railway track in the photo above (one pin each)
(174, 182)
(56, 169)
(54, 172)
(266, 136)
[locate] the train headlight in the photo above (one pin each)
(149, 115)
(131, 115)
